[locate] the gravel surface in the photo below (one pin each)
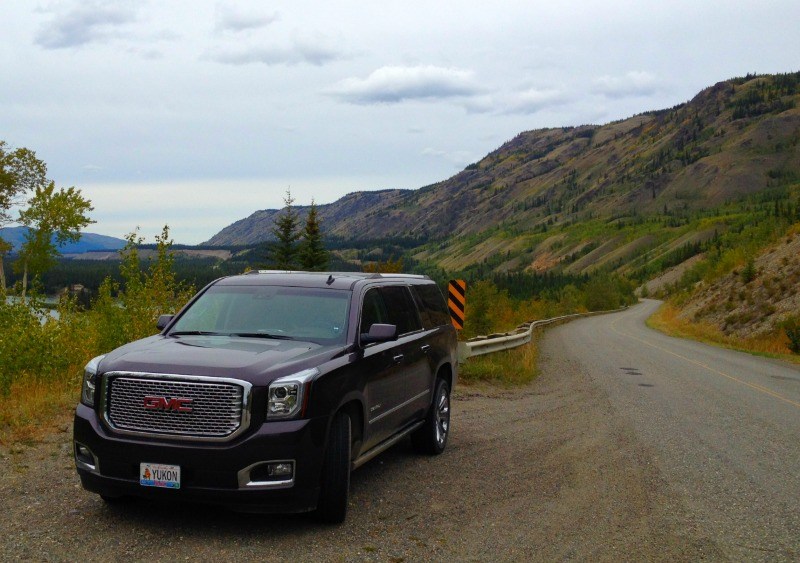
(544, 472)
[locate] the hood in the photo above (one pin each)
(255, 360)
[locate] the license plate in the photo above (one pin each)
(160, 475)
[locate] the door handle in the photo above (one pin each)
(398, 358)
(425, 348)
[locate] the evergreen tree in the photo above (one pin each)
(284, 250)
(312, 253)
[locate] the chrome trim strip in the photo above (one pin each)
(246, 403)
(244, 477)
(383, 446)
(400, 406)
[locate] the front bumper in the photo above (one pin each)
(225, 474)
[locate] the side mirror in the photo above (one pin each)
(379, 333)
(163, 320)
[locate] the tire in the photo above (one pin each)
(431, 438)
(335, 483)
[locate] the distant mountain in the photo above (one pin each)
(577, 198)
(258, 226)
(89, 241)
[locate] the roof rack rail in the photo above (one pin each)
(363, 275)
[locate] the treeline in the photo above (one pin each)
(91, 273)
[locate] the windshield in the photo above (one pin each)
(297, 313)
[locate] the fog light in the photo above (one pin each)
(84, 458)
(268, 474)
(280, 469)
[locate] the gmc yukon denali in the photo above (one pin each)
(267, 389)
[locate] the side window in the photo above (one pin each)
(433, 304)
(401, 308)
(373, 311)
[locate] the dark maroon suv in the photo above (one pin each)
(267, 389)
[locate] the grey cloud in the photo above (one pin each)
(393, 84)
(232, 20)
(82, 24)
(635, 83)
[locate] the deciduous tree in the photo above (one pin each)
(20, 172)
(53, 218)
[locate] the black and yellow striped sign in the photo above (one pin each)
(456, 299)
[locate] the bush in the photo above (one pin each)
(37, 348)
(791, 327)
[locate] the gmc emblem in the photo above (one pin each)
(174, 404)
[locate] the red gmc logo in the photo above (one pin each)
(174, 404)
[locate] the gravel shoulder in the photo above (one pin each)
(542, 472)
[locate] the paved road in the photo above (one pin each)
(724, 427)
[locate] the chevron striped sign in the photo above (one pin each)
(456, 299)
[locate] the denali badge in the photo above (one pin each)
(164, 404)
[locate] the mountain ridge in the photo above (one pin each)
(88, 242)
(528, 197)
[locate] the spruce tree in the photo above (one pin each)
(284, 250)
(312, 253)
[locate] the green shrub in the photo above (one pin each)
(791, 327)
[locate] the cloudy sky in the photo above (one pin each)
(196, 113)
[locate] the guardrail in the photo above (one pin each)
(521, 335)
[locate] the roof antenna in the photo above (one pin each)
(330, 279)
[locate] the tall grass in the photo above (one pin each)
(668, 320)
(508, 368)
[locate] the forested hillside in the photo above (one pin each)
(637, 195)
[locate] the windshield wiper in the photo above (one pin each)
(262, 335)
(195, 333)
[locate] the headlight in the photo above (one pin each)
(89, 381)
(288, 395)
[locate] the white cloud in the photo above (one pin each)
(232, 19)
(84, 23)
(317, 52)
(392, 84)
(634, 83)
(534, 100)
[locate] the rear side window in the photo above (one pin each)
(401, 308)
(433, 306)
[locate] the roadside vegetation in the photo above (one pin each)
(43, 356)
(776, 344)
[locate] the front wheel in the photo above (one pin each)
(335, 485)
(431, 438)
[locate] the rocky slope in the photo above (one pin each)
(752, 304)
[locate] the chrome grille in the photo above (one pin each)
(218, 407)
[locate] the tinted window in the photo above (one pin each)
(373, 311)
(433, 304)
(401, 308)
(295, 312)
